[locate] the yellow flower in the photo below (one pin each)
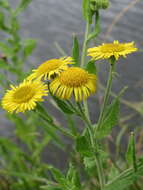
(24, 97)
(50, 68)
(74, 81)
(116, 49)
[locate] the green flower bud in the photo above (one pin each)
(99, 4)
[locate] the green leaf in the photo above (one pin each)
(48, 129)
(125, 179)
(28, 45)
(91, 68)
(73, 176)
(131, 153)
(75, 51)
(86, 11)
(110, 119)
(8, 145)
(57, 174)
(83, 146)
(89, 162)
(6, 50)
(25, 133)
(51, 187)
(44, 113)
(3, 64)
(63, 105)
(9, 150)
(22, 5)
(4, 4)
(2, 18)
(113, 171)
(15, 27)
(40, 146)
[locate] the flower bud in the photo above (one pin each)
(99, 4)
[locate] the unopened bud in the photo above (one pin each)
(99, 4)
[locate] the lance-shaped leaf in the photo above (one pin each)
(73, 176)
(57, 174)
(75, 51)
(6, 50)
(4, 4)
(91, 67)
(22, 5)
(131, 152)
(110, 117)
(42, 111)
(110, 120)
(28, 45)
(125, 179)
(62, 104)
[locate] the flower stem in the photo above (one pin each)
(84, 50)
(94, 146)
(86, 116)
(97, 158)
(107, 93)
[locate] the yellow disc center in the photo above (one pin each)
(49, 66)
(23, 94)
(112, 48)
(74, 77)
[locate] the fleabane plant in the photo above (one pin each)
(69, 82)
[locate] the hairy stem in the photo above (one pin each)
(86, 116)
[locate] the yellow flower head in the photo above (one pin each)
(51, 68)
(24, 97)
(116, 49)
(74, 81)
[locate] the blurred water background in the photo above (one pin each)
(53, 22)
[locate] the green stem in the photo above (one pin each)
(107, 93)
(94, 147)
(100, 171)
(86, 116)
(97, 158)
(86, 109)
(59, 128)
(84, 50)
